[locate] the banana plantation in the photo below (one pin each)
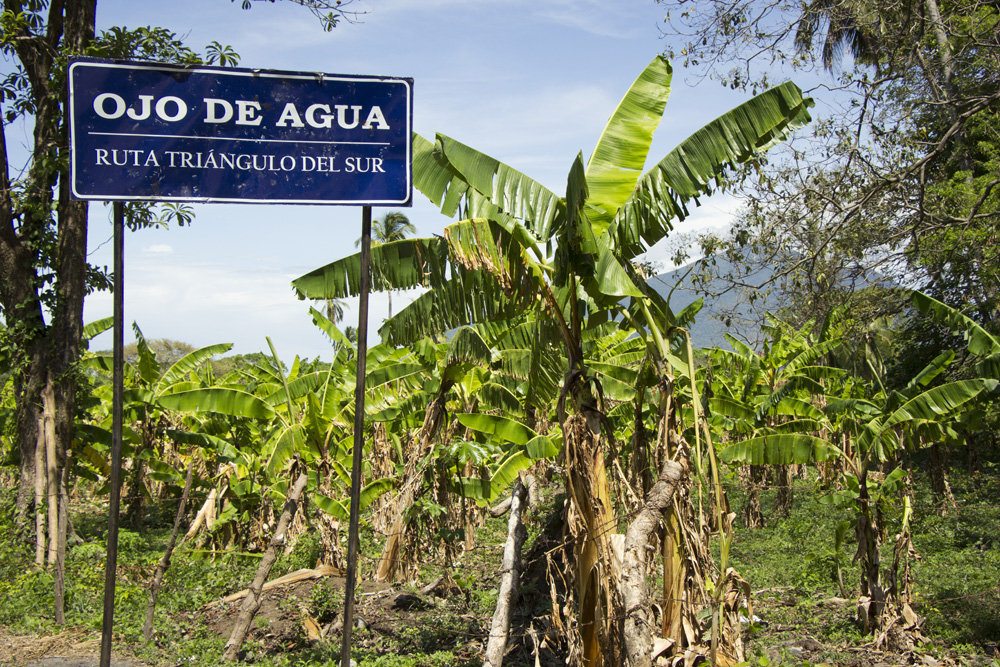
(554, 471)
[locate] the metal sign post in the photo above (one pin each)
(114, 505)
(359, 440)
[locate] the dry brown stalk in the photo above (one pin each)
(161, 567)
(253, 598)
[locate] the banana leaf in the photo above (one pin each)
(778, 449)
(97, 327)
(508, 189)
(215, 399)
(934, 403)
(191, 361)
(661, 195)
(617, 161)
(981, 342)
(505, 429)
(341, 508)
(395, 265)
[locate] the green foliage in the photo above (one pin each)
(528, 284)
(326, 601)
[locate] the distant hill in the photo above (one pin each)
(709, 327)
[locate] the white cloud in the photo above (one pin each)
(204, 303)
(622, 20)
(159, 249)
(715, 214)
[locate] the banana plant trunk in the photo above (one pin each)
(938, 464)
(391, 560)
(136, 486)
(752, 477)
(590, 522)
(872, 611)
(783, 497)
(883, 608)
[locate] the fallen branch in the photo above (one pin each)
(161, 568)
(287, 580)
(509, 579)
(501, 508)
(638, 624)
(253, 598)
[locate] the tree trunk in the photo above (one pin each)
(783, 499)
(872, 604)
(753, 516)
(51, 467)
(947, 85)
(134, 501)
(57, 510)
(509, 579)
(589, 524)
(251, 603)
(44, 351)
(938, 463)
(161, 568)
(638, 620)
(40, 480)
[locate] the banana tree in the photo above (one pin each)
(877, 428)
(521, 247)
(451, 363)
(981, 343)
(480, 368)
(781, 389)
(153, 402)
(314, 410)
(984, 347)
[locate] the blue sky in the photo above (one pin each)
(530, 82)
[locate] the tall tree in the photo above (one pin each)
(43, 237)
(393, 226)
(44, 275)
(900, 177)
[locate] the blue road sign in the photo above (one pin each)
(157, 132)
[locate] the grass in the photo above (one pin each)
(196, 579)
(790, 563)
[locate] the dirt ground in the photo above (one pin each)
(281, 623)
(73, 647)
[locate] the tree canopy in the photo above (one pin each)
(895, 185)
